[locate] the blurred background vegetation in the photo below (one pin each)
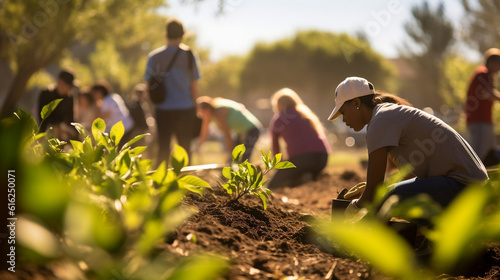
(111, 39)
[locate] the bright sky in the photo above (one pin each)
(246, 22)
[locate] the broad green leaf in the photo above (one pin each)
(263, 198)
(457, 229)
(138, 150)
(252, 171)
(117, 132)
(49, 108)
(194, 181)
(263, 154)
(229, 187)
(98, 153)
(238, 151)
(200, 268)
(284, 165)
(27, 121)
(179, 159)
(377, 244)
(382, 189)
(138, 201)
(276, 159)
(77, 146)
(190, 188)
(43, 194)
(125, 164)
(170, 200)
(43, 242)
(226, 172)
(98, 125)
(153, 234)
(160, 174)
(98, 128)
(134, 140)
(107, 231)
(257, 180)
(419, 207)
(88, 152)
(491, 226)
(81, 130)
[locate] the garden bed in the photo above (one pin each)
(281, 241)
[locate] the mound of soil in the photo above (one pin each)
(281, 241)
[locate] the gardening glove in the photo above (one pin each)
(353, 213)
(356, 191)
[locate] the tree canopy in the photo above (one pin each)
(35, 34)
(482, 20)
(312, 63)
(432, 32)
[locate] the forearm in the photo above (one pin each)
(229, 142)
(491, 94)
(194, 90)
(377, 163)
(204, 130)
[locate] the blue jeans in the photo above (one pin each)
(441, 189)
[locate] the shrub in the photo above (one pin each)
(99, 208)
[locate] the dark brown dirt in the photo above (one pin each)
(280, 242)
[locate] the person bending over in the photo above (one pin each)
(442, 162)
(306, 144)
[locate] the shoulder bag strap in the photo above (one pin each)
(172, 61)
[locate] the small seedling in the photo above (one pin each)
(247, 179)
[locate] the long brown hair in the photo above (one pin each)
(380, 97)
(287, 98)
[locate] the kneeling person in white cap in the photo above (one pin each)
(442, 162)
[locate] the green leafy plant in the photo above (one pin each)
(459, 233)
(247, 179)
(100, 204)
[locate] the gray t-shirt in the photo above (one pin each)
(425, 142)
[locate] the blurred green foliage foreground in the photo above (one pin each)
(455, 237)
(99, 210)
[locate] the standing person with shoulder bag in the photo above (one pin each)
(173, 68)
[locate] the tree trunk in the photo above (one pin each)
(16, 90)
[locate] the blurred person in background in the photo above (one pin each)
(306, 144)
(87, 108)
(478, 108)
(112, 109)
(178, 111)
(232, 118)
(142, 112)
(63, 115)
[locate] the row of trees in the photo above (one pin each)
(441, 73)
(105, 39)
(110, 39)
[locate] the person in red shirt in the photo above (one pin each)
(478, 108)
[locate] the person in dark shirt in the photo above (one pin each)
(61, 118)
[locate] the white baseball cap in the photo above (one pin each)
(348, 89)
